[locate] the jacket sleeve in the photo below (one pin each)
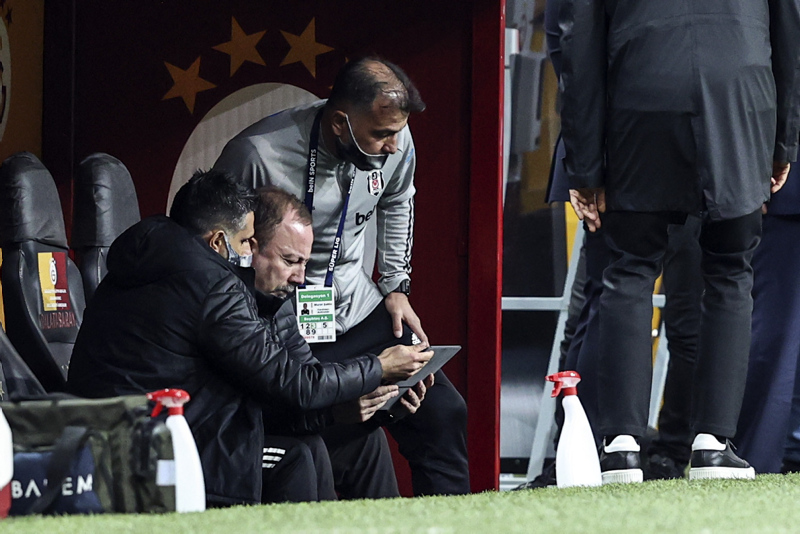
(282, 420)
(396, 222)
(553, 34)
(289, 334)
(236, 343)
(583, 89)
(295, 421)
(784, 36)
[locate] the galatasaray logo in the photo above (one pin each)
(53, 271)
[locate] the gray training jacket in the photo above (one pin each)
(274, 151)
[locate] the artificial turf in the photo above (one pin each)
(768, 504)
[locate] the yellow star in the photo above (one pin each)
(187, 83)
(241, 47)
(304, 48)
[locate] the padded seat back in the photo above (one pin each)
(105, 205)
(42, 288)
(16, 378)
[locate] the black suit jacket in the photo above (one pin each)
(680, 105)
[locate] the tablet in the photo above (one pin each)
(442, 355)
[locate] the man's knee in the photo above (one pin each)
(288, 471)
(315, 445)
(375, 443)
(730, 236)
(297, 456)
(443, 412)
(449, 402)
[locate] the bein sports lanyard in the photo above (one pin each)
(311, 178)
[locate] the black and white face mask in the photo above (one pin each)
(235, 258)
(353, 153)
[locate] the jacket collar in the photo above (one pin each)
(268, 305)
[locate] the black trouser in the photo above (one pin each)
(582, 353)
(573, 326)
(361, 461)
(433, 440)
(349, 462)
(296, 470)
(637, 242)
(683, 287)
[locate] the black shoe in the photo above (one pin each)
(619, 461)
(790, 466)
(545, 479)
(660, 467)
(710, 462)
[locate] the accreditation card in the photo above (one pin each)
(316, 315)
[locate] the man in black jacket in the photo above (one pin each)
(173, 311)
(670, 109)
(359, 455)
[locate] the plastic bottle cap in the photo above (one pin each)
(173, 399)
(565, 381)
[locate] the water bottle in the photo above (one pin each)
(577, 463)
(190, 488)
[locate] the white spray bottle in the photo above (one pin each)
(190, 488)
(577, 463)
(6, 465)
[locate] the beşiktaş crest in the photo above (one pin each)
(375, 182)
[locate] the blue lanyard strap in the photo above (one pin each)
(337, 241)
(311, 169)
(311, 176)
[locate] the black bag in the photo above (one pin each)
(79, 456)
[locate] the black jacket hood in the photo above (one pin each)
(158, 247)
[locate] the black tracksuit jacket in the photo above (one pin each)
(173, 313)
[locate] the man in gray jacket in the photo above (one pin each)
(352, 158)
(669, 109)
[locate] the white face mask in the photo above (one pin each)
(355, 155)
(235, 258)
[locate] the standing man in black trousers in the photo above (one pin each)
(671, 109)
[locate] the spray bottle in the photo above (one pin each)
(6, 465)
(577, 463)
(190, 488)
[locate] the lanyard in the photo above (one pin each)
(311, 178)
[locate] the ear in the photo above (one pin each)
(216, 241)
(338, 123)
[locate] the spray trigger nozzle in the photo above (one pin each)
(173, 399)
(566, 381)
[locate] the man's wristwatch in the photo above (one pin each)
(404, 287)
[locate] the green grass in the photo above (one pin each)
(768, 504)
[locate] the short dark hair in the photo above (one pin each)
(272, 207)
(213, 200)
(359, 84)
